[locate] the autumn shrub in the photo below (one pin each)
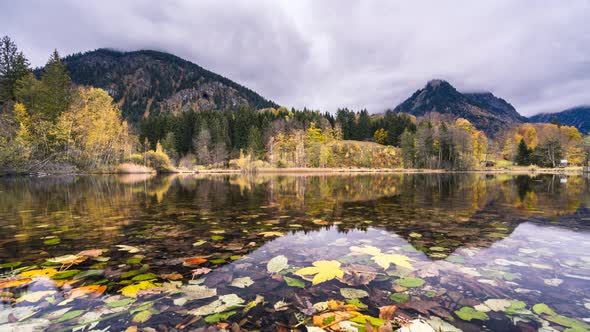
(136, 158)
(159, 160)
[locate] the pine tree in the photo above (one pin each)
(13, 67)
(57, 88)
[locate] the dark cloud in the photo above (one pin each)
(330, 54)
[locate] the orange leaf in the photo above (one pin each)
(95, 290)
(387, 312)
(11, 283)
(193, 261)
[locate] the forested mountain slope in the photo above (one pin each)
(150, 82)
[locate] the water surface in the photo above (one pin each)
(476, 251)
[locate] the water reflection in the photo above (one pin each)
(469, 237)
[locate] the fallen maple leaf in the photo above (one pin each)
(323, 271)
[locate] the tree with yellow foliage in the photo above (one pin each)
(93, 131)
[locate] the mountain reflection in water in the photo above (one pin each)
(477, 244)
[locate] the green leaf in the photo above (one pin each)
(134, 260)
(145, 276)
(468, 313)
(69, 315)
(399, 297)
(217, 237)
(10, 265)
(65, 274)
(216, 318)
(294, 282)
(130, 274)
(357, 303)
(142, 316)
(88, 273)
(120, 303)
(542, 308)
(52, 242)
(410, 282)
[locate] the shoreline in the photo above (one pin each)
(331, 171)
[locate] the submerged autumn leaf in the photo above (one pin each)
(131, 290)
(194, 261)
(381, 259)
(323, 271)
(68, 259)
(48, 272)
(12, 283)
(93, 290)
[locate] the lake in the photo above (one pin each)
(453, 252)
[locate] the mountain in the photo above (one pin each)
(151, 82)
(578, 117)
(486, 111)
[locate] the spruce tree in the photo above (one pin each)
(13, 67)
(57, 88)
(523, 155)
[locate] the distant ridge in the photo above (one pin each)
(578, 117)
(486, 111)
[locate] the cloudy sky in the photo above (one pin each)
(330, 54)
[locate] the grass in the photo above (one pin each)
(130, 168)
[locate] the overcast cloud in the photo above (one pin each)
(330, 54)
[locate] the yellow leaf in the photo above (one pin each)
(68, 259)
(384, 260)
(368, 250)
(48, 272)
(35, 296)
(270, 234)
(323, 271)
(131, 290)
(381, 259)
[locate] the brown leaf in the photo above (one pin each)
(386, 327)
(421, 306)
(387, 312)
(172, 276)
(91, 252)
(277, 277)
(357, 275)
(368, 326)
